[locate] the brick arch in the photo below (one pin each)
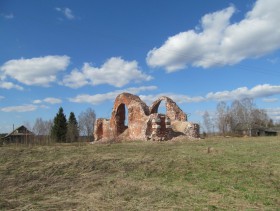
(144, 123)
(154, 107)
(172, 109)
(137, 113)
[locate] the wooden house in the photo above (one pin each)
(263, 132)
(19, 135)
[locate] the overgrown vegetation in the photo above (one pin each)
(240, 118)
(61, 130)
(216, 174)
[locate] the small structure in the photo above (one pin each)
(263, 132)
(19, 135)
(143, 122)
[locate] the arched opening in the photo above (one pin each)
(162, 108)
(159, 108)
(121, 119)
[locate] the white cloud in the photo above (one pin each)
(37, 101)
(44, 106)
(76, 79)
(50, 100)
(115, 71)
(258, 91)
(221, 42)
(100, 98)
(270, 100)
(149, 99)
(2, 97)
(8, 16)
(66, 12)
(39, 71)
(22, 108)
(9, 85)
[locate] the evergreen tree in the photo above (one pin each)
(72, 128)
(59, 128)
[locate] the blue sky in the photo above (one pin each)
(81, 54)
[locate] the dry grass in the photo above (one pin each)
(232, 173)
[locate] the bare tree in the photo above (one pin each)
(27, 125)
(248, 108)
(86, 122)
(42, 127)
(261, 119)
(39, 127)
(223, 117)
(236, 116)
(241, 116)
(207, 121)
(42, 130)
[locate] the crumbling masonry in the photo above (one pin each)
(143, 122)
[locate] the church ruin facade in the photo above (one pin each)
(132, 119)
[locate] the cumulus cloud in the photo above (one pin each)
(30, 107)
(66, 12)
(258, 91)
(49, 100)
(21, 108)
(115, 71)
(149, 99)
(9, 85)
(100, 98)
(270, 100)
(52, 100)
(76, 79)
(40, 71)
(220, 42)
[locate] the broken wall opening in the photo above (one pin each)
(159, 108)
(162, 108)
(99, 131)
(121, 119)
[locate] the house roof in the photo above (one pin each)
(20, 131)
(266, 129)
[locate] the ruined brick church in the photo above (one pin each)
(143, 122)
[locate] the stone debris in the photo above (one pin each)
(143, 122)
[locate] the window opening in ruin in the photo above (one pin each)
(159, 108)
(162, 108)
(126, 117)
(121, 119)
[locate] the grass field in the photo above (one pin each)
(210, 174)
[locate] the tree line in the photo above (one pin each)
(242, 116)
(61, 129)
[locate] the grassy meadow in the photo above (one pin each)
(209, 174)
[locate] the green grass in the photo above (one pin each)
(210, 174)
